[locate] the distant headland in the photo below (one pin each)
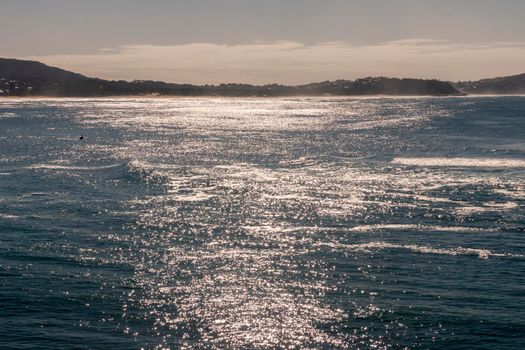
(30, 78)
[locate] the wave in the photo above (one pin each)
(7, 115)
(145, 166)
(196, 197)
(8, 216)
(462, 162)
(72, 167)
(417, 227)
(373, 246)
(165, 174)
(303, 162)
(269, 228)
(486, 208)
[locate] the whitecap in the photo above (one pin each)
(71, 167)
(372, 246)
(194, 197)
(7, 115)
(145, 166)
(418, 227)
(487, 207)
(462, 162)
(8, 216)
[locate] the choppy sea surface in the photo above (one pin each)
(323, 223)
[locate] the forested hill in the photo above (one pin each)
(29, 78)
(512, 85)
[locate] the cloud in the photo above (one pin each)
(292, 62)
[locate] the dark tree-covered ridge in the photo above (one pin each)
(29, 78)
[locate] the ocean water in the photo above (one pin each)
(322, 223)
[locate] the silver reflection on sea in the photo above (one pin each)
(291, 223)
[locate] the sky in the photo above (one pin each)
(265, 41)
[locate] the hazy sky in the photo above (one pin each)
(287, 41)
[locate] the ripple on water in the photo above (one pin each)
(263, 223)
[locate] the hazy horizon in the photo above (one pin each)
(206, 42)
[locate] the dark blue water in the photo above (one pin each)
(262, 223)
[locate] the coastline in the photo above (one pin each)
(165, 97)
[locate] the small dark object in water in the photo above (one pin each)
(81, 137)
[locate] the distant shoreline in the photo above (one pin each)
(174, 97)
(30, 78)
(34, 79)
